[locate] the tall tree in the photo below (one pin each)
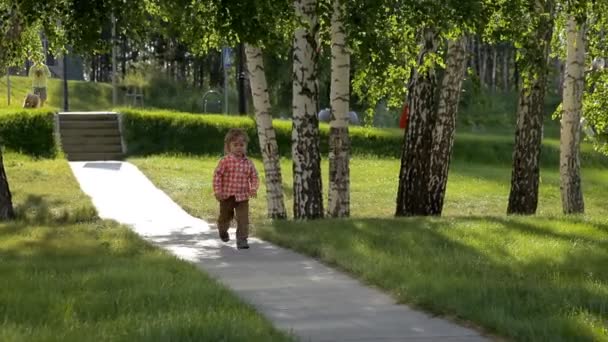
(11, 30)
(255, 24)
(443, 131)
(339, 141)
(523, 197)
(429, 136)
(307, 186)
(574, 84)
(266, 133)
(415, 158)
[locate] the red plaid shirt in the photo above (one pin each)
(236, 177)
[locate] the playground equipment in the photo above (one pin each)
(212, 101)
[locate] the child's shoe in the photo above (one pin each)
(224, 236)
(242, 244)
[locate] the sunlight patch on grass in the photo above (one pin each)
(69, 276)
(526, 278)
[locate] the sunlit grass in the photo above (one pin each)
(69, 276)
(540, 278)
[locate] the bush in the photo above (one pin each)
(28, 131)
(150, 132)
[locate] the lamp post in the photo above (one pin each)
(114, 48)
(65, 82)
(241, 80)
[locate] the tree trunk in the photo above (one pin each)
(523, 197)
(6, 203)
(266, 133)
(482, 64)
(412, 194)
(570, 134)
(443, 132)
(505, 68)
(339, 141)
(93, 73)
(307, 187)
(494, 59)
(472, 59)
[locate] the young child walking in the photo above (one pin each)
(235, 180)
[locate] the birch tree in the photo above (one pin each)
(339, 141)
(11, 29)
(595, 100)
(444, 130)
(307, 186)
(266, 133)
(415, 158)
(256, 24)
(574, 84)
(523, 196)
(429, 136)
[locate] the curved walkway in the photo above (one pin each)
(297, 293)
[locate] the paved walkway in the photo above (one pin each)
(296, 293)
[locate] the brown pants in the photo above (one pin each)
(230, 208)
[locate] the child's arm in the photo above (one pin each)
(254, 181)
(217, 180)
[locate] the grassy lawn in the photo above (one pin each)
(69, 276)
(82, 96)
(541, 278)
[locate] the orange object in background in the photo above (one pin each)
(405, 114)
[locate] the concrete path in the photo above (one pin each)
(297, 293)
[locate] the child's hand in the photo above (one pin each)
(253, 194)
(218, 197)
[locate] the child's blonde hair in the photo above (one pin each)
(233, 134)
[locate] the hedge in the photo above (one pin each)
(150, 132)
(28, 131)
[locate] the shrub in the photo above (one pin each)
(28, 131)
(149, 132)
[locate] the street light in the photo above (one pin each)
(65, 82)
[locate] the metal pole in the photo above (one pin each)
(114, 48)
(224, 59)
(8, 85)
(241, 80)
(65, 82)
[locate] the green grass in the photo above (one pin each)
(69, 276)
(541, 278)
(97, 96)
(82, 96)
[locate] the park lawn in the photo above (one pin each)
(70, 276)
(541, 278)
(82, 95)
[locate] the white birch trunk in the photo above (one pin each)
(339, 141)
(266, 133)
(412, 194)
(307, 187)
(570, 133)
(525, 176)
(443, 132)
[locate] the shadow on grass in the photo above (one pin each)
(461, 269)
(75, 283)
(38, 209)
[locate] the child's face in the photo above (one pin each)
(238, 147)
